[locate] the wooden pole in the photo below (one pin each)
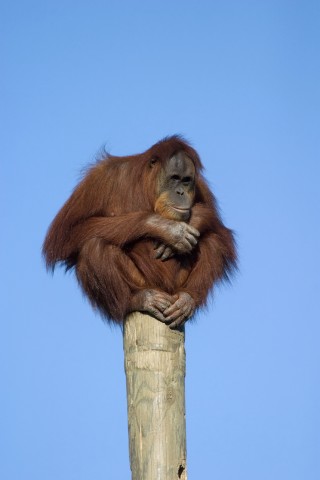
(155, 373)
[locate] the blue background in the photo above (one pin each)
(240, 79)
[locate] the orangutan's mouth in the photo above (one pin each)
(181, 209)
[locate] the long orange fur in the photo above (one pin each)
(103, 232)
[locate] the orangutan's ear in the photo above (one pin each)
(153, 161)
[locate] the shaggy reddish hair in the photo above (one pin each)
(103, 231)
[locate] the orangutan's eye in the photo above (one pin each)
(186, 179)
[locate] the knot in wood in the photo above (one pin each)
(170, 397)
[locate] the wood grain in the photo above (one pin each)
(155, 374)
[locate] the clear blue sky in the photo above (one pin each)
(240, 79)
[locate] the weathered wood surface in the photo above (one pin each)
(155, 374)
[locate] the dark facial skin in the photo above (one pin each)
(177, 185)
